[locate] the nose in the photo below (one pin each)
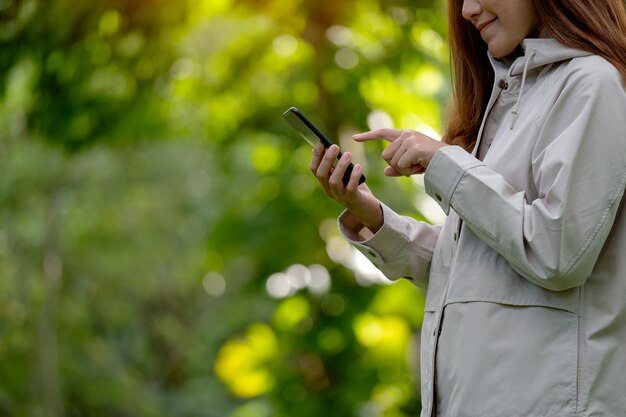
(471, 9)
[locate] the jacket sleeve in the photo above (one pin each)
(402, 248)
(579, 170)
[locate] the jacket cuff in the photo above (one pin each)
(383, 245)
(445, 171)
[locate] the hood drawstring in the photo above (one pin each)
(521, 90)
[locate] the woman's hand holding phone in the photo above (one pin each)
(355, 197)
(409, 153)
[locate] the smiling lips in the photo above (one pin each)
(483, 26)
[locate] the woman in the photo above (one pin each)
(526, 280)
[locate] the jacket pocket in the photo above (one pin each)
(484, 275)
(497, 360)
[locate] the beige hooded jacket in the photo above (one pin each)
(526, 280)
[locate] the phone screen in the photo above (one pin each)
(313, 135)
(306, 128)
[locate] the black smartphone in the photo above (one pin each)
(313, 135)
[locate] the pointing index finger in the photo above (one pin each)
(387, 134)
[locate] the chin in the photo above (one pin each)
(500, 53)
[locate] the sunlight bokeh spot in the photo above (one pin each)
(253, 383)
(278, 285)
(266, 158)
(285, 45)
(109, 23)
(291, 312)
(214, 284)
(320, 279)
(262, 339)
(429, 81)
(415, 121)
(338, 249)
(131, 44)
(401, 299)
(368, 330)
(388, 398)
(183, 68)
(429, 40)
(346, 58)
(299, 276)
(339, 35)
(243, 363)
(378, 119)
(386, 334)
(328, 228)
(401, 15)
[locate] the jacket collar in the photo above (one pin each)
(539, 53)
(547, 51)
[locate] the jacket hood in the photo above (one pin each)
(538, 53)
(547, 51)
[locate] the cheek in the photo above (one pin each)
(528, 19)
(522, 28)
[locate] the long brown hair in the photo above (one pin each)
(596, 26)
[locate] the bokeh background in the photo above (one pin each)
(164, 250)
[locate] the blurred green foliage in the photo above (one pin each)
(163, 248)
